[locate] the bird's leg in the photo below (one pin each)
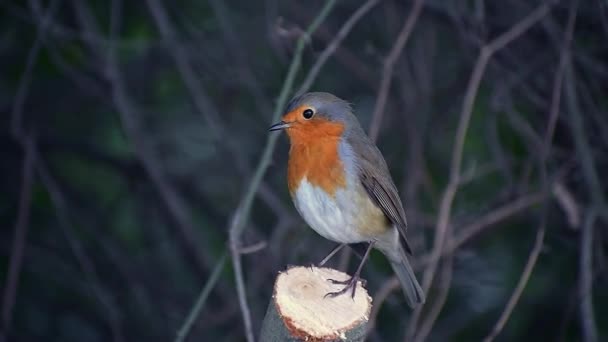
(331, 254)
(352, 282)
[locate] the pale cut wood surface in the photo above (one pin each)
(300, 311)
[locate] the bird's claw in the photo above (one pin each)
(347, 281)
(349, 284)
(339, 282)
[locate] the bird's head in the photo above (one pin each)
(316, 116)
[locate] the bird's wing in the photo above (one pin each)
(376, 179)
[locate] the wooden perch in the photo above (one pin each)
(299, 310)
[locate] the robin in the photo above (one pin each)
(341, 186)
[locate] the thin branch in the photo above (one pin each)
(585, 287)
(236, 49)
(468, 232)
(443, 222)
(24, 82)
(202, 101)
(583, 149)
(23, 213)
(241, 215)
(442, 295)
(335, 43)
(183, 332)
(21, 228)
(200, 97)
(84, 260)
(389, 65)
(567, 202)
(521, 285)
(545, 150)
(128, 113)
(254, 248)
(385, 290)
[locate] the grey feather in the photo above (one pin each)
(375, 178)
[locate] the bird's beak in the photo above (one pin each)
(279, 126)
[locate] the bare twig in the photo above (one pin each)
(335, 43)
(442, 295)
(24, 82)
(585, 157)
(84, 260)
(236, 49)
(243, 210)
(585, 287)
(200, 97)
(202, 101)
(389, 65)
(585, 279)
(468, 232)
(129, 114)
(21, 228)
(545, 151)
(256, 247)
(385, 290)
(442, 229)
(568, 203)
(184, 330)
(27, 143)
(521, 285)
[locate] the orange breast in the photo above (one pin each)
(314, 155)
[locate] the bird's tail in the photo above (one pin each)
(413, 292)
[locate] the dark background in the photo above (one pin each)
(133, 140)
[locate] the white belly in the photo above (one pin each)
(333, 218)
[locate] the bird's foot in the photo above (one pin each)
(349, 284)
(347, 281)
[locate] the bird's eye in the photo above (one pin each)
(308, 113)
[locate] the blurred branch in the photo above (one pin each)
(567, 202)
(335, 43)
(583, 150)
(510, 209)
(201, 99)
(442, 232)
(112, 315)
(466, 234)
(128, 116)
(24, 82)
(445, 282)
(545, 149)
(21, 229)
(379, 298)
(521, 285)
(389, 65)
(27, 143)
(236, 50)
(352, 61)
(183, 332)
(585, 286)
(241, 215)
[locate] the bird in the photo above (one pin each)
(341, 186)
